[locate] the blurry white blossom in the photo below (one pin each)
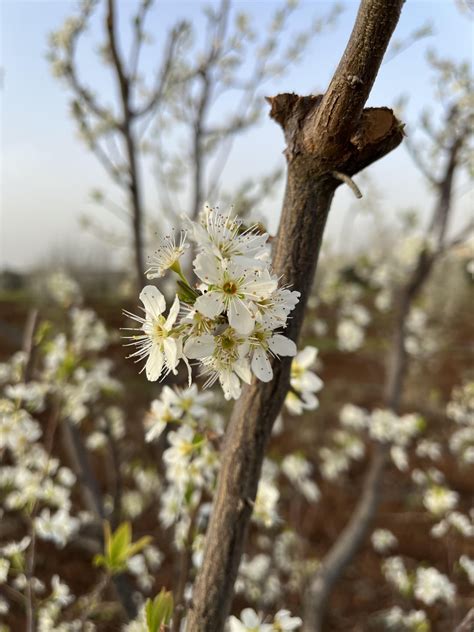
(383, 540)
(432, 586)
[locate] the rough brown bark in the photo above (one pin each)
(323, 134)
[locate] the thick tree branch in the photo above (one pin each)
(317, 143)
(352, 82)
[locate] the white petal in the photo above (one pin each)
(262, 286)
(199, 347)
(250, 618)
(153, 301)
(154, 364)
(310, 401)
(208, 268)
(261, 365)
(230, 385)
(155, 431)
(281, 345)
(248, 262)
(240, 317)
(173, 314)
(171, 352)
(306, 357)
(294, 404)
(310, 382)
(210, 304)
(242, 368)
(235, 625)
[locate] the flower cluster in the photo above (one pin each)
(230, 321)
(190, 460)
(426, 584)
(250, 621)
(303, 382)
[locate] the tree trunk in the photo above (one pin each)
(323, 134)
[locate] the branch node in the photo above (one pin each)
(347, 180)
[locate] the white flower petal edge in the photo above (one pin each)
(261, 365)
(283, 346)
(153, 300)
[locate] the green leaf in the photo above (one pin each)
(137, 546)
(121, 540)
(159, 611)
(119, 548)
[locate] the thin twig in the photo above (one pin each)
(349, 181)
(29, 343)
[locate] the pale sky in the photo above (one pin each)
(47, 174)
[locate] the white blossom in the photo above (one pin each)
(383, 540)
(395, 572)
(350, 335)
(58, 527)
(432, 586)
(353, 417)
(467, 564)
(299, 471)
(284, 622)
(440, 500)
(249, 621)
(158, 344)
(167, 255)
(304, 383)
(233, 289)
(265, 506)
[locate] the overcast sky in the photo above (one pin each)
(47, 174)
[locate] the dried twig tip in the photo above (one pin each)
(347, 180)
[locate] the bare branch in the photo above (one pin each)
(77, 87)
(347, 180)
(134, 187)
(118, 65)
(420, 163)
(159, 90)
(137, 43)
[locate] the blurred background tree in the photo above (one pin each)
(189, 143)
